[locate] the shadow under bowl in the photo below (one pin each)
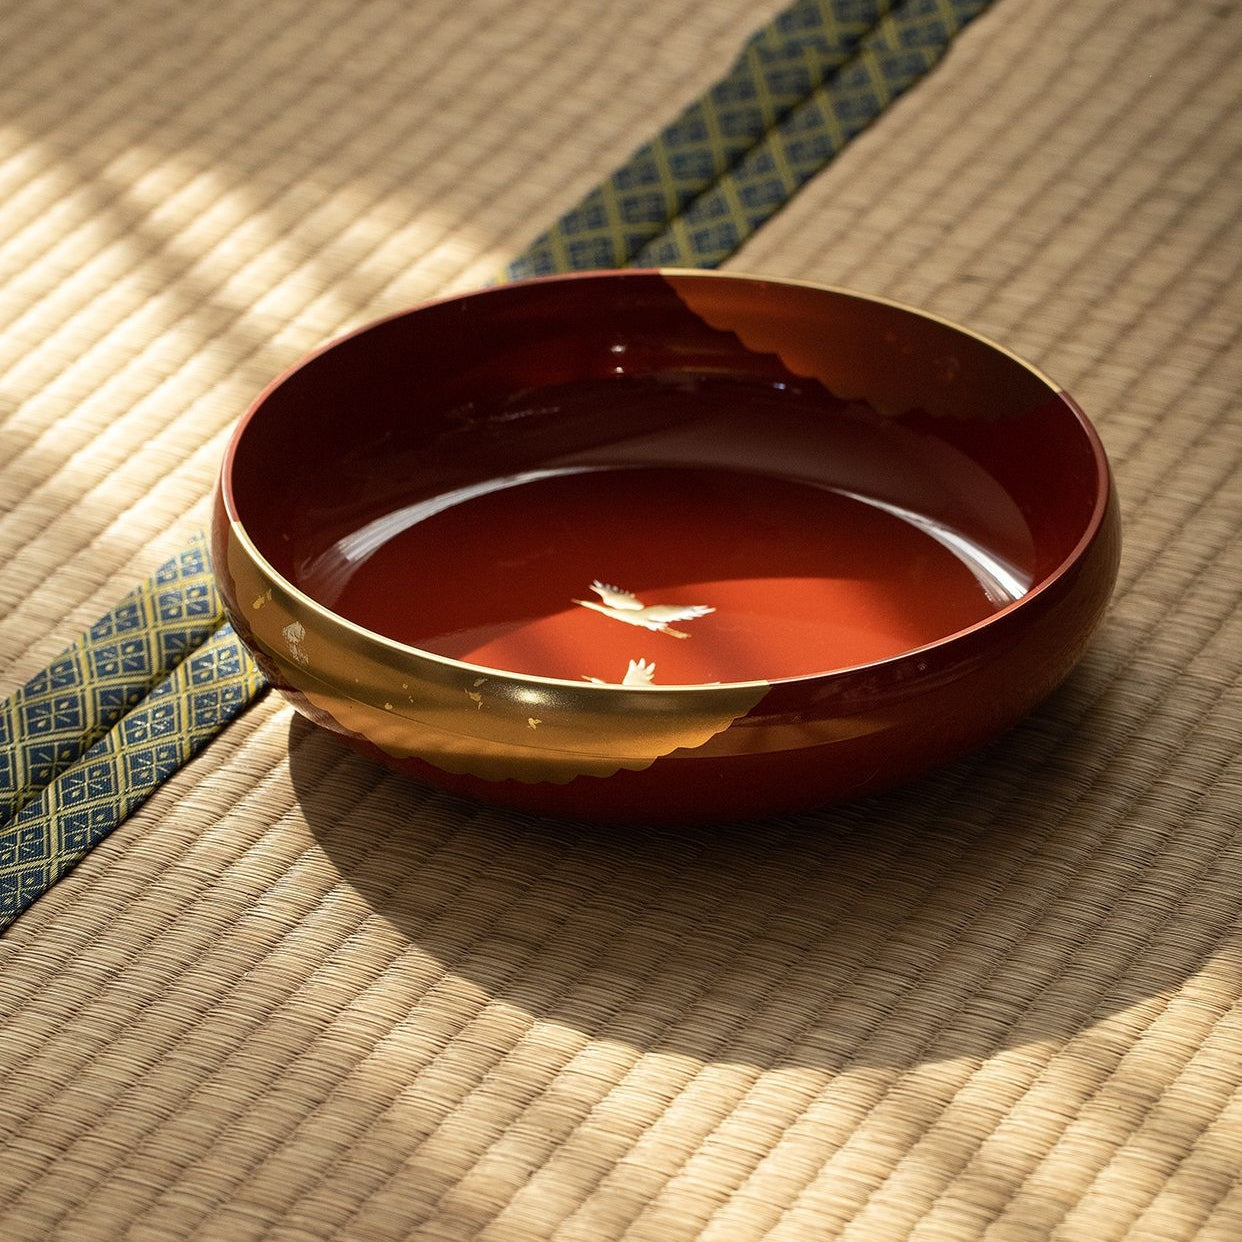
(665, 545)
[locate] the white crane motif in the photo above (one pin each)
(625, 606)
(639, 673)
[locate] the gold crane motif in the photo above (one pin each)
(625, 606)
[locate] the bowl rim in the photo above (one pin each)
(1104, 491)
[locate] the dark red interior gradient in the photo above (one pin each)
(645, 449)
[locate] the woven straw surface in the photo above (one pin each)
(295, 998)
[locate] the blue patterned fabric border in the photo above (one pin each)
(803, 87)
(58, 826)
(57, 715)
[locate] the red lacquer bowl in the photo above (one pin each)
(665, 545)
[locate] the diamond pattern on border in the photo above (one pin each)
(63, 822)
(59, 713)
(803, 87)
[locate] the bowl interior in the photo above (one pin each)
(664, 478)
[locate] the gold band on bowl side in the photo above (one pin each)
(462, 718)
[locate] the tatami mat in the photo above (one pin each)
(295, 998)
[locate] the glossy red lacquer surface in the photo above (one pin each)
(900, 534)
